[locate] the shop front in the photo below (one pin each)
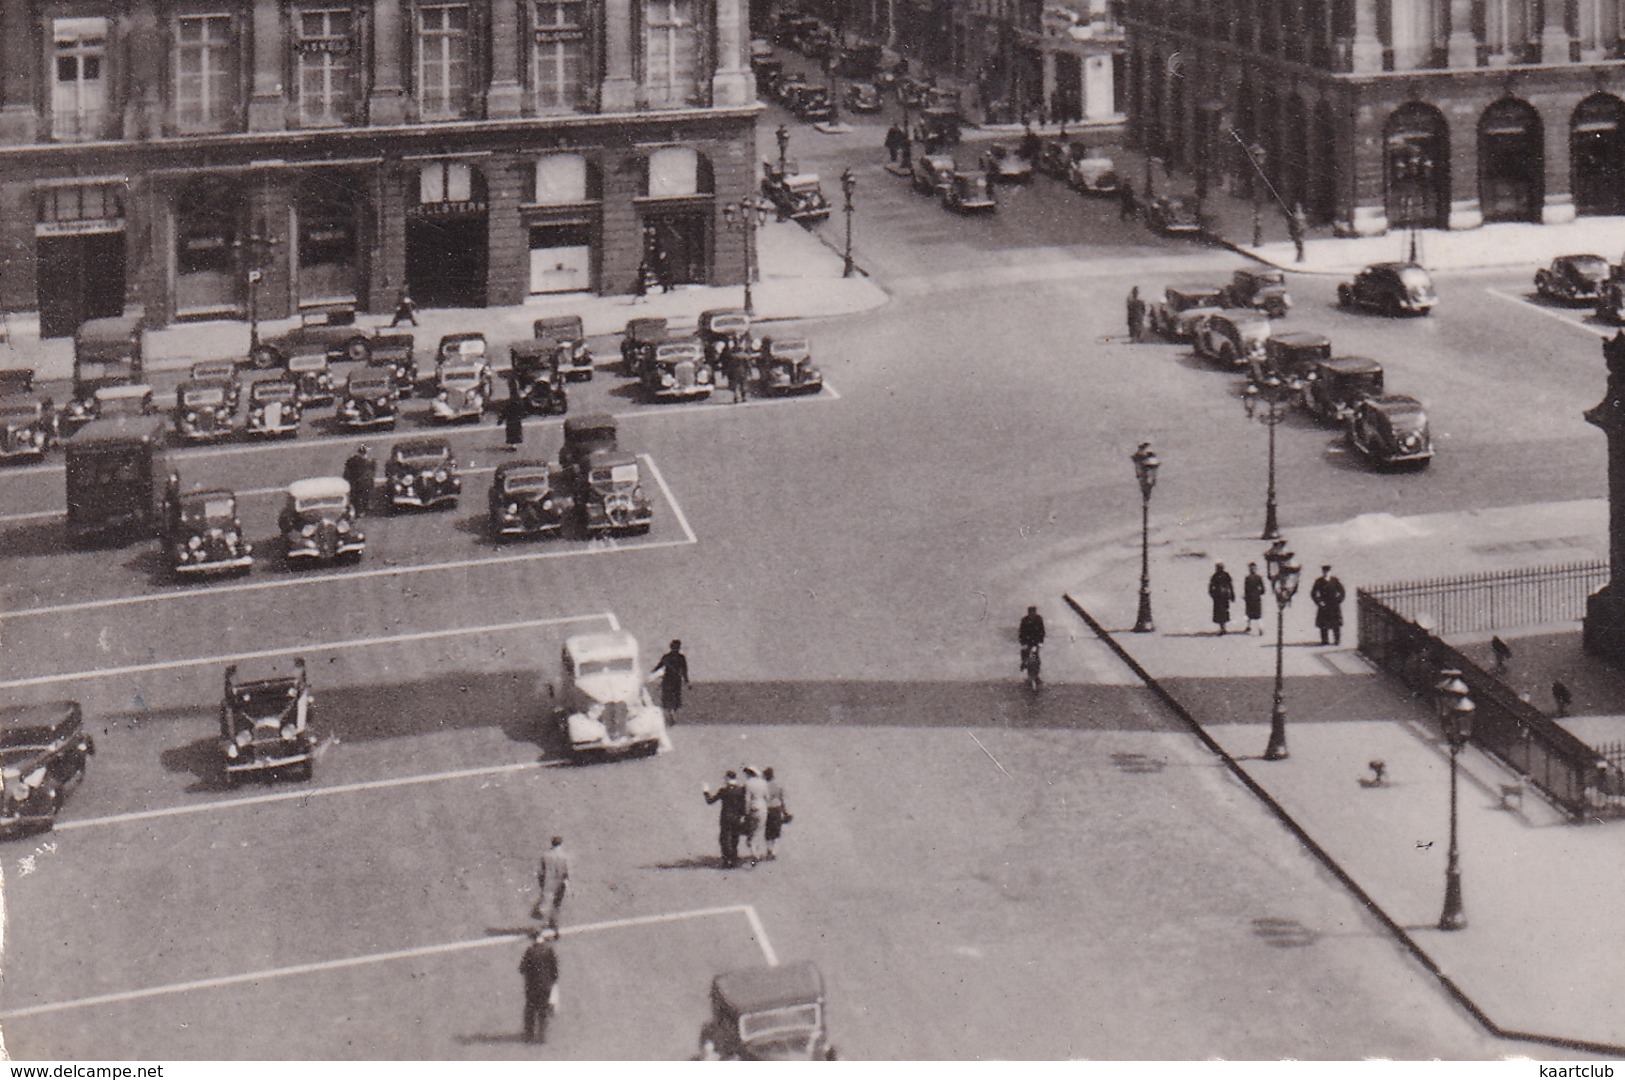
(79, 252)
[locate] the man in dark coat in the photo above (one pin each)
(895, 141)
(1136, 314)
(1126, 206)
(1252, 597)
(731, 817)
(539, 968)
(673, 672)
(736, 361)
(1328, 594)
(553, 878)
(361, 473)
(1221, 589)
(513, 416)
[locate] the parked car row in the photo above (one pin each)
(1230, 325)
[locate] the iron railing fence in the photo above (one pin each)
(1495, 601)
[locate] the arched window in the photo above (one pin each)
(673, 171)
(564, 178)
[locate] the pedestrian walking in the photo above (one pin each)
(1136, 314)
(737, 362)
(1252, 598)
(361, 473)
(513, 416)
(663, 272)
(539, 968)
(755, 825)
(553, 877)
(1221, 589)
(1126, 205)
(406, 310)
(1328, 594)
(1297, 227)
(730, 816)
(895, 141)
(673, 672)
(778, 811)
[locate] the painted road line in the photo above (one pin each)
(295, 579)
(320, 967)
(316, 647)
(1561, 315)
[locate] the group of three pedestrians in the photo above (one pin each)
(1327, 594)
(753, 809)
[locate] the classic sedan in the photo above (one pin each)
(1093, 176)
(204, 536)
(1391, 430)
(1232, 338)
(463, 391)
(1172, 215)
(26, 428)
(1174, 316)
(863, 98)
(969, 193)
(330, 330)
(203, 411)
(1392, 288)
(788, 368)
(1004, 165)
(318, 522)
(422, 473)
(44, 751)
(1573, 279)
(273, 408)
(932, 173)
(371, 400)
(528, 499)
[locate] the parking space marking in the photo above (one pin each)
(317, 647)
(1551, 313)
(445, 948)
(294, 579)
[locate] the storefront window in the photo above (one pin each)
(79, 94)
(443, 59)
(561, 53)
(205, 73)
(325, 56)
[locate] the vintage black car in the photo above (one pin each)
(1093, 176)
(204, 536)
(266, 723)
(1573, 279)
(463, 386)
(721, 328)
(106, 353)
(330, 330)
(585, 434)
(1004, 165)
(1175, 314)
(576, 362)
(813, 103)
(1391, 430)
(273, 409)
(1392, 288)
(939, 127)
(863, 97)
(862, 61)
(911, 91)
(27, 428)
(44, 752)
(969, 193)
(372, 400)
(421, 473)
(1291, 355)
(787, 367)
(1260, 288)
(1330, 388)
(539, 373)
(318, 522)
(1055, 157)
(798, 196)
(313, 375)
(221, 371)
(639, 340)
(932, 173)
(396, 353)
(788, 87)
(678, 370)
(768, 70)
(608, 492)
(1231, 338)
(768, 1014)
(117, 471)
(528, 499)
(1172, 215)
(203, 411)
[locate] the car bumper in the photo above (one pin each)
(199, 435)
(260, 762)
(272, 429)
(520, 529)
(28, 451)
(446, 414)
(806, 386)
(681, 393)
(599, 522)
(819, 214)
(349, 547)
(615, 747)
(11, 822)
(215, 566)
(372, 423)
(1401, 458)
(419, 499)
(582, 369)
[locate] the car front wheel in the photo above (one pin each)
(358, 349)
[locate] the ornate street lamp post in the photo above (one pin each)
(1456, 712)
(849, 184)
(1274, 394)
(1283, 571)
(783, 137)
(1145, 470)
(746, 216)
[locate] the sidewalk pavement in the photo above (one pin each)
(1539, 955)
(1508, 244)
(799, 278)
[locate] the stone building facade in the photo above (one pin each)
(184, 158)
(1376, 114)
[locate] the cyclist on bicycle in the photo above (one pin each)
(1031, 636)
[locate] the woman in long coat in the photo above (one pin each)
(513, 416)
(1222, 591)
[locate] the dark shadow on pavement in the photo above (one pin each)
(492, 1039)
(694, 862)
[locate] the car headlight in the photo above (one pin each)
(547, 502)
(244, 737)
(442, 396)
(191, 418)
(667, 380)
(194, 542)
(231, 750)
(440, 476)
(308, 530)
(256, 413)
(342, 525)
(289, 732)
(637, 492)
(704, 375)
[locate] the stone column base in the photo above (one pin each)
(1559, 210)
(1465, 214)
(1604, 626)
(504, 99)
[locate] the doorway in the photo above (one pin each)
(78, 277)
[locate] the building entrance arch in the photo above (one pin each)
(1511, 162)
(1597, 155)
(1416, 167)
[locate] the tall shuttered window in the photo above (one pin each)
(79, 93)
(561, 53)
(443, 61)
(205, 73)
